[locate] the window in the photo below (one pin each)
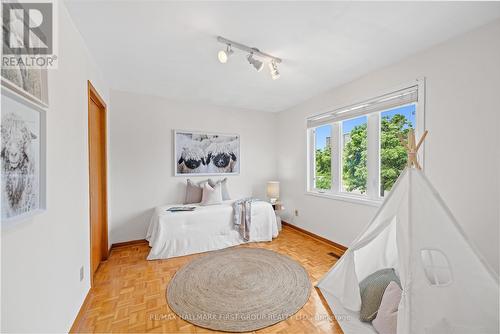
(436, 267)
(354, 155)
(355, 152)
(323, 157)
(393, 155)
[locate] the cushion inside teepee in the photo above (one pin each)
(372, 289)
(387, 315)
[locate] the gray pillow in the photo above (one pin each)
(223, 182)
(194, 192)
(372, 289)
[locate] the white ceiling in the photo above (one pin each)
(170, 49)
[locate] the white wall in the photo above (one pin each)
(141, 155)
(462, 116)
(41, 257)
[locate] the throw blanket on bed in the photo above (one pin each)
(243, 216)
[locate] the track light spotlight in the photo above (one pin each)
(273, 69)
(257, 64)
(224, 55)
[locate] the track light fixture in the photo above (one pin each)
(257, 64)
(223, 55)
(273, 69)
(255, 57)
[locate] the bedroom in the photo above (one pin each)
(144, 96)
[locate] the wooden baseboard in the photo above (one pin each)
(301, 230)
(78, 318)
(128, 243)
(340, 247)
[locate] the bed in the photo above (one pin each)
(207, 228)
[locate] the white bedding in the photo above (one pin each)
(207, 228)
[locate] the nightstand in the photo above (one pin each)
(278, 206)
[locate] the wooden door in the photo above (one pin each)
(97, 180)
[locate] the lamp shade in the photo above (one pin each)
(273, 189)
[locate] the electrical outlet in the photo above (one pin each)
(81, 273)
(296, 213)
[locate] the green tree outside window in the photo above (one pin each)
(354, 168)
(392, 154)
(324, 168)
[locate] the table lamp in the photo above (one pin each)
(273, 191)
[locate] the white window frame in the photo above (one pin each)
(371, 197)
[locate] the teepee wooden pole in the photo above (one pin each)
(422, 139)
(417, 165)
(412, 147)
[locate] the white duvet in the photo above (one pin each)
(207, 228)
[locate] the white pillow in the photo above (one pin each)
(386, 321)
(211, 195)
(225, 192)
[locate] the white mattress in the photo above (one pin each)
(207, 228)
(348, 320)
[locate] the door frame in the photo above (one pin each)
(94, 97)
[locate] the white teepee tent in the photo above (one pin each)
(447, 287)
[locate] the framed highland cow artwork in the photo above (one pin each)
(202, 153)
(22, 156)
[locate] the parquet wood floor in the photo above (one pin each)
(129, 291)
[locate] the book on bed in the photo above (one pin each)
(181, 208)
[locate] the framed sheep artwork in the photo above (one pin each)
(22, 157)
(202, 153)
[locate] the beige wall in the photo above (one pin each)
(462, 115)
(42, 256)
(141, 155)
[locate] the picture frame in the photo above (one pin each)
(203, 153)
(29, 81)
(38, 96)
(23, 156)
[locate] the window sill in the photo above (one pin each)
(346, 198)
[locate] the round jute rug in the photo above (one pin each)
(239, 289)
